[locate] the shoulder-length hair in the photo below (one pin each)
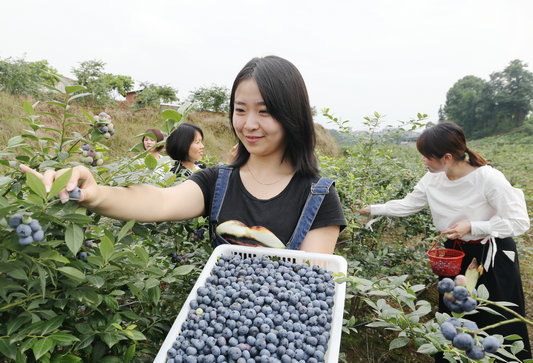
(180, 140)
(285, 95)
(158, 134)
(447, 137)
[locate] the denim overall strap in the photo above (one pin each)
(312, 205)
(218, 198)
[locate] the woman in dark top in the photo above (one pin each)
(185, 146)
(274, 166)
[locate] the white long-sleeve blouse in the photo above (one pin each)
(484, 197)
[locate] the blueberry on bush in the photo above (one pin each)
(476, 352)
(445, 285)
(460, 292)
(448, 330)
(83, 255)
(15, 220)
(491, 344)
(75, 194)
(463, 341)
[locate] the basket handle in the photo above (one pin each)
(437, 241)
(455, 242)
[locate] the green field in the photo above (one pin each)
(119, 303)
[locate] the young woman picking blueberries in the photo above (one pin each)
(475, 206)
(268, 183)
(185, 146)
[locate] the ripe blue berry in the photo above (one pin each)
(24, 241)
(35, 226)
(460, 292)
(38, 236)
(23, 230)
(15, 220)
(491, 344)
(469, 304)
(448, 330)
(476, 352)
(463, 341)
(83, 255)
(75, 194)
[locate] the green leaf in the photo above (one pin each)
(129, 354)
(109, 338)
(111, 302)
(125, 229)
(72, 273)
(52, 324)
(79, 96)
(428, 349)
(398, 343)
(133, 334)
(72, 89)
(59, 184)
(4, 180)
(106, 248)
(16, 323)
(15, 141)
(150, 161)
(7, 349)
(36, 185)
(155, 294)
(74, 237)
(66, 358)
(42, 280)
(171, 114)
(64, 338)
(96, 281)
(41, 347)
(28, 108)
(183, 269)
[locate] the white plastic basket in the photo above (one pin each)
(331, 263)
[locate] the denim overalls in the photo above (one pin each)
(314, 200)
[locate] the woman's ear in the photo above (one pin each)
(447, 157)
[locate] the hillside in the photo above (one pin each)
(129, 122)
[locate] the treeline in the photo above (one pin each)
(20, 77)
(484, 108)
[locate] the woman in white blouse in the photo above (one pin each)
(473, 203)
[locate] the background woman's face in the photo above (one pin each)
(148, 142)
(196, 150)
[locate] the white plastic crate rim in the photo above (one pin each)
(331, 263)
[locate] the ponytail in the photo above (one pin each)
(475, 159)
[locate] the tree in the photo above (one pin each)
(19, 77)
(442, 114)
(513, 92)
(91, 75)
(213, 99)
(462, 101)
(152, 95)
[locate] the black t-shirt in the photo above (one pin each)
(279, 214)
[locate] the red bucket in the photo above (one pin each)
(445, 261)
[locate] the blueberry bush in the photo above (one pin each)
(77, 286)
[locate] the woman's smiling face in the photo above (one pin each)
(260, 133)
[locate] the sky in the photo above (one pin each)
(397, 58)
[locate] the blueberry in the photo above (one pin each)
(448, 330)
(470, 325)
(469, 304)
(476, 352)
(75, 194)
(460, 292)
(35, 226)
(24, 241)
(38, 236)
(445, 285)
(23, 230)
(83, 255)
(491, 344)
(15, 220)
(463, 341)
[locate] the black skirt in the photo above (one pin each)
(503, 283)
